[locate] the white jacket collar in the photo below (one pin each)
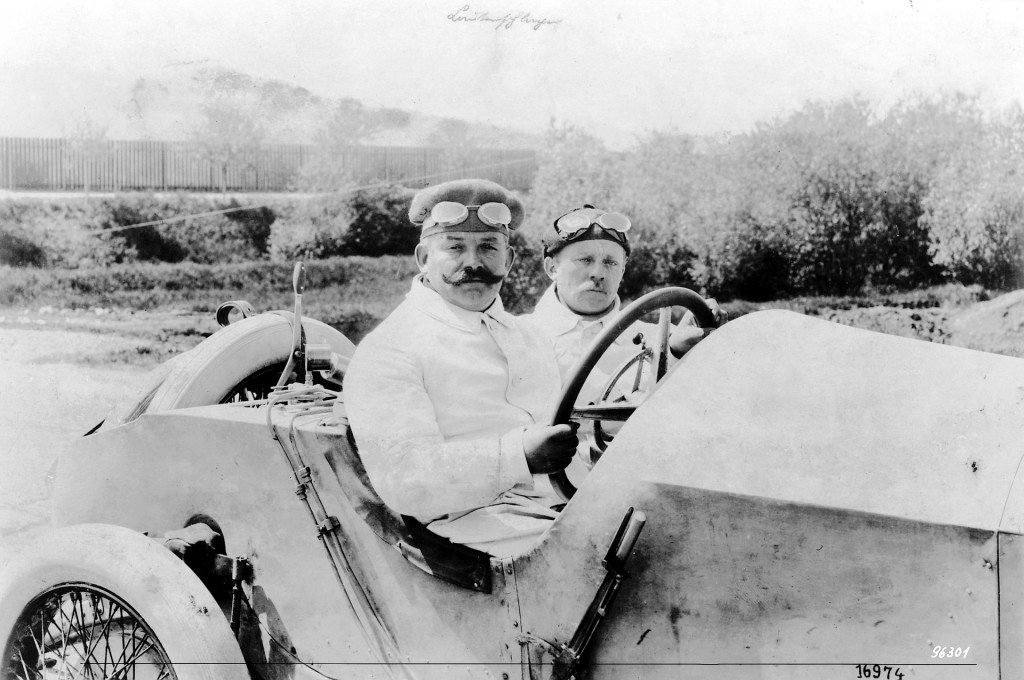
(558, 319)
(428, 301)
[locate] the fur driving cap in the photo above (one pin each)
(474, 192)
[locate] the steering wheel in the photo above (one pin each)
(663, 299)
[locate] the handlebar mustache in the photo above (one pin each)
(473, 275)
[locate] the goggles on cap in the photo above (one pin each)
(450, 213)
(575, 222)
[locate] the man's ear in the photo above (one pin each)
(550, 267)
(421, 256)
(511, 254)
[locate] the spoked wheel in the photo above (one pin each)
(99, 601)
(79, 630)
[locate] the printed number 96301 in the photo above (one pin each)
(877, 671)
(950, 652)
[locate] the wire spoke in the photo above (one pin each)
(129, 663)
(66, 626)
(104, 635)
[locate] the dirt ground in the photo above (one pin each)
(62, 372)
(995, 325)
(54, 386)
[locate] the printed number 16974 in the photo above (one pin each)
(877, 671)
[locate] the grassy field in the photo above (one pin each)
(164, 309)
(169, 308)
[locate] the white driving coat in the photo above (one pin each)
(437, 398)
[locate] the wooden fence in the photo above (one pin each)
(122, 165)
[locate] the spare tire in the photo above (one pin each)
(240, 362)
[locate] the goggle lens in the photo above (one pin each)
(572, 224)
(450, 213)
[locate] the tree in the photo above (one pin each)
(975, 207)
(843, 197)
(663, 180)
(350, 124)
(457, 145)
(574, 168)
(229, 137)
(86, 151)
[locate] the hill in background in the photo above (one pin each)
(183, 102)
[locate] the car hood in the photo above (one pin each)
(783, 406)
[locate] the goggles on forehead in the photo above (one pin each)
(575, 222)
(450, 213)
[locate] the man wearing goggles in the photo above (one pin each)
(585, 256)
(448, 397)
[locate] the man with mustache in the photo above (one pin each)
(446, 398)
(585, 256)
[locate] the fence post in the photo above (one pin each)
(119, 164)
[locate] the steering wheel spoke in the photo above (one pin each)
(614, 412)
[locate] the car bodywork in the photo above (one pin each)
(817, 498)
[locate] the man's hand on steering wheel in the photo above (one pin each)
(550, 448)
(688, 333)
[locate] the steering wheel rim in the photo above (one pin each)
(664, 297)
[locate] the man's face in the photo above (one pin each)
(466, 268)
(587, 275)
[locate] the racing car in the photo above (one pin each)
(793, 499)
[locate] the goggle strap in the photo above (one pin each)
(464, 226)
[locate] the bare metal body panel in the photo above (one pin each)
(817, 497)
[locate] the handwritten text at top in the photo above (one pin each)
(466, 15)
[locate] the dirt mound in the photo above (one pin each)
(993, 326)
(922, 324)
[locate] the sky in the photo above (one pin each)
(618, 69)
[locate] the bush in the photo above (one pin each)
(369, 223)
(76, 232)
(54, 233)
(656, 261)
(301, 239)
(380, 223)
(751, 261)
(527, 281)
(235, 236)
(975, 212)
(19, 251)
(833, 199)
(255, 224)
(267, 284)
